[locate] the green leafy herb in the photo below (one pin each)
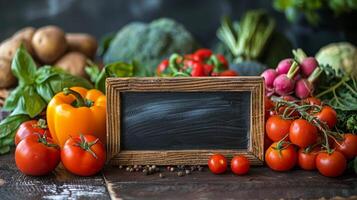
(36, 88)
(339, 90)
(117, 69)
(8, 129)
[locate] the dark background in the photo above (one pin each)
(201, 17)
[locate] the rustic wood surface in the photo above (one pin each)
(115, 86)
(261, 183)
(58, 185)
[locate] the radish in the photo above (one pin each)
(269, 76)
(304, 87)
(308, 65)
(284, 66)
(284, 83)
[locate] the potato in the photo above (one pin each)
(49, 43)
(26, 34)
(83, 43)
(8, 47)
(7, 79)
(74, 63)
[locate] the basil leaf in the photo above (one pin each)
(20, 107)
(30, 103)
(93, 72)
(45, 91)
(34, 104)
(117, 69)
(63, 80)
(4, 149)
(47, 72)
(10, 125)
(23, 66)
(12, 99)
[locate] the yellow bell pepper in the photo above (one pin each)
(77, 111)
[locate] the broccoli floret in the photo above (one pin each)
(149, 44)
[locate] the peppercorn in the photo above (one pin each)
(180, 173)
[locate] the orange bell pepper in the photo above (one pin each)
(77, 111)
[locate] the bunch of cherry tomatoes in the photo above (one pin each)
(301, 133)
(36, 154)
(203, 62)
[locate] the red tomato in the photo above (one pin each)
(217, 163)
(312, 101)
(162, 67)
(281, 157)
(302, 133)
(83, 155)
(202, 54)
(327, 115)
(277, 128)
(29, 128)
(331, 165)
(222, 60)
(348, 146)
(240, 165)
(228, 73)
(306, 160)
(37, 155)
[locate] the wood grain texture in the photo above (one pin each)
(117, 86)
(260, 183)
(58, 185)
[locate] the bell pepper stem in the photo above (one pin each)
(80, 101)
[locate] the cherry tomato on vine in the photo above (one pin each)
(327, 115)
(281, 156)
(306, 160)
(277, 128)
(162, 67)
(348, 146)
(228, 73)
(83, 155)
(331, 165)
(31, 127)
(240, 165)
(312, 101)
(37, 155)
(302, 133)
(217, 163)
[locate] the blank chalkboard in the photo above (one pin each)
(171, 121)
(185, 120)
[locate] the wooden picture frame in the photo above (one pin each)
(115, 86)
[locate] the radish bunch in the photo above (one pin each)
(292, 76)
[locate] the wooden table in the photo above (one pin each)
(115, 183)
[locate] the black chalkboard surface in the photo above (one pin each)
(185, 120)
